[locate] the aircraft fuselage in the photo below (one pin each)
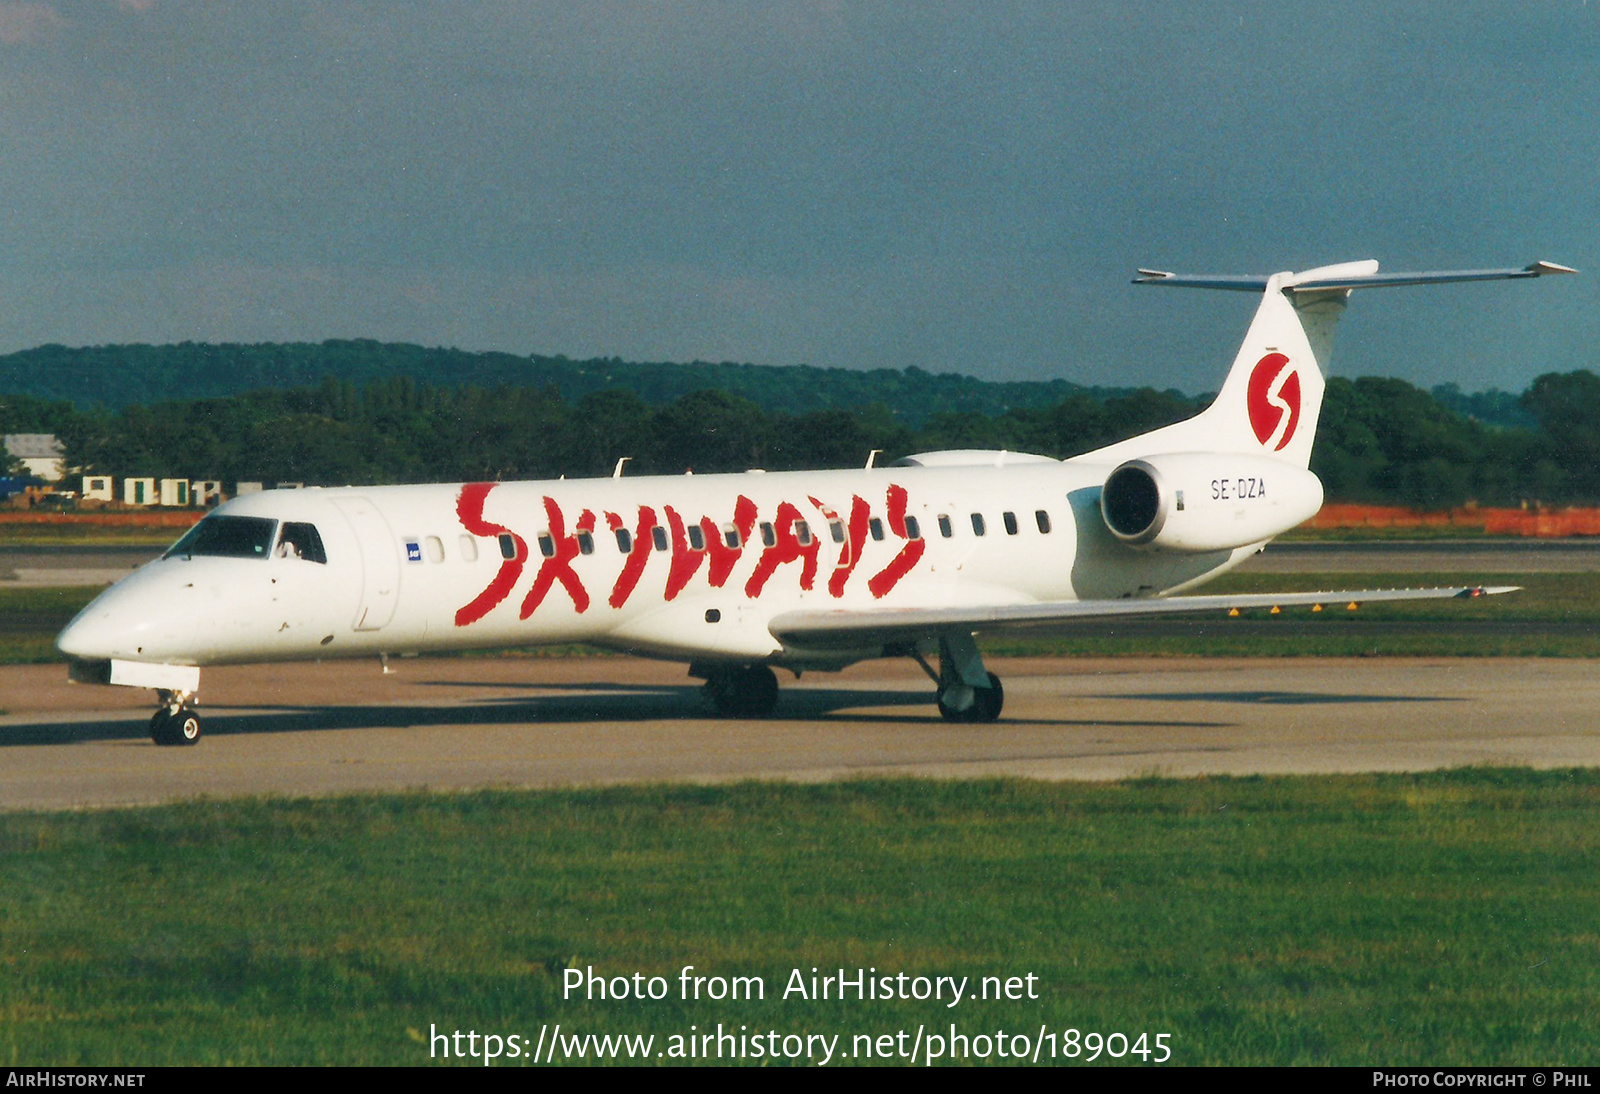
(687, 566)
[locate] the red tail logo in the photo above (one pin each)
(1273, 399)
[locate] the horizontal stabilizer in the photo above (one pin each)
(846, 629)
(1351, 275)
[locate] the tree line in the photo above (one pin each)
(134, 375)
(1379, 440)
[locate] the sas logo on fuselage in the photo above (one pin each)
(1273, 399)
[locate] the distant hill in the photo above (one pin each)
(133, 375)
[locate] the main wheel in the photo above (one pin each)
(984, 706)
(182, 728)
(986, 702)
(747, 692)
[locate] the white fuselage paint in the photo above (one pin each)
(407, 564)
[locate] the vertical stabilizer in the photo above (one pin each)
(1272, 396)
(1270, 402)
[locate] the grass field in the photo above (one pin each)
(1554, 615)
(87, 535)
(1445, 918)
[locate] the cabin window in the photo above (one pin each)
(1010, 520)
(802, 533)
(876, 527)
(697, 538)
(508, 545)
(768, 536)
(547, 546)
(302, 541)
(1042, 519)
(469, 549)
(730, 536)
(944, 526)
(913, 529)
(978, 527)
(624, 540)
(836, 530)
(658, 534)
(227, 537)
(435, 548)
(586, 543)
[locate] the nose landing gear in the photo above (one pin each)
(175, 723)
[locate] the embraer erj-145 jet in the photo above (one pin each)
(739, 573)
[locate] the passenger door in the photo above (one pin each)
(380, 563)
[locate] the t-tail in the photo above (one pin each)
(1238, 474)
(1272, 397)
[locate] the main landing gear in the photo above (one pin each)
(741, 691)
(175, 723)
(967, 691)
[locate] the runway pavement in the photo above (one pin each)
(44, 567)
(463, 723)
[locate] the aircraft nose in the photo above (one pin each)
(85, 639)
(132, 620)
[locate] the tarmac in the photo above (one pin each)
(463, 723)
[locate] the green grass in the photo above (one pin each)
(1445, 918)
(30, 619)
(87, 535)
(1554, 615)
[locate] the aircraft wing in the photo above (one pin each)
(853, 629)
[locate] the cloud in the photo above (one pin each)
(21, 24)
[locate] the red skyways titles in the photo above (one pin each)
(720, 551)
(469, 510)
(558, 567)
(888, 577)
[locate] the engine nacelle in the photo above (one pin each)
(1206, 501)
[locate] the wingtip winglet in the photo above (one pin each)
(1540, 268)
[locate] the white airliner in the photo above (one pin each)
(738, 573)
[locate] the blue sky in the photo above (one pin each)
(961, 187)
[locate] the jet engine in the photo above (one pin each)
(1194, 502)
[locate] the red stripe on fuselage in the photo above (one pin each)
(684, 561)
(633, 568)
(785, 548)
(723, 557)
(559, 566)
(850, 552)
(887, 578)
(469, 510)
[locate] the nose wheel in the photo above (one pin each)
(175, 723)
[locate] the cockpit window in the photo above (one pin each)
(227, 537)
(302, 541)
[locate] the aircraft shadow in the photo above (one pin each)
(599, 703)
(1279, 698)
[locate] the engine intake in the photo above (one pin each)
(1206, 501)
(1131, 500)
